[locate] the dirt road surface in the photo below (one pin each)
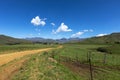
(5, 58)
(7, 71)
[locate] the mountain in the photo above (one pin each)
(109, 39)
(35, 39)
(62, 40)
(10, 40)
(40, 40)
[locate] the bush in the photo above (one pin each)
(102, 49)
(117, 42)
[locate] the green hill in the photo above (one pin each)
(10, 40)
(108, 39)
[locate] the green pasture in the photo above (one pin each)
(106, 68)
(22, 47)
(42, 67)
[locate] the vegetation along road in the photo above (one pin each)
(18, 60)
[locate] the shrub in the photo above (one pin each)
(117, 42)
(102, 49)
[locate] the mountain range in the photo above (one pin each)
(111, 38)
(62, 40)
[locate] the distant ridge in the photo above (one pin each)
(10, 40)
(62, 40)
(109, 39)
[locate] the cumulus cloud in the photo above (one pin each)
(77, 34)
(37, 21)
(100, 35)
(53, 24)
(62, 28)
(81, 33)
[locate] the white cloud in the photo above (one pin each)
(37, 21)
(77, 34)
(100, 35)
(88, 30)
(62, 28)
(53, 24)
(81, 33)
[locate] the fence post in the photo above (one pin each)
(91, 75)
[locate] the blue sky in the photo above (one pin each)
(59, 18)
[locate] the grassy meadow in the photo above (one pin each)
(67, 63)
(22, 47)
(105, 66)
(43, 67)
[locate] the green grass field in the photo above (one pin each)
(55, 64)
(22, 47)
(42, 67)
(110, 70)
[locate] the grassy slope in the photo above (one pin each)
(111, 68)
(42, 67)
(112, 38)
(10, 40)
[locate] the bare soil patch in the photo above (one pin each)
(81, 69)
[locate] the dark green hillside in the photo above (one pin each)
(108, 39)
(10, 40)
